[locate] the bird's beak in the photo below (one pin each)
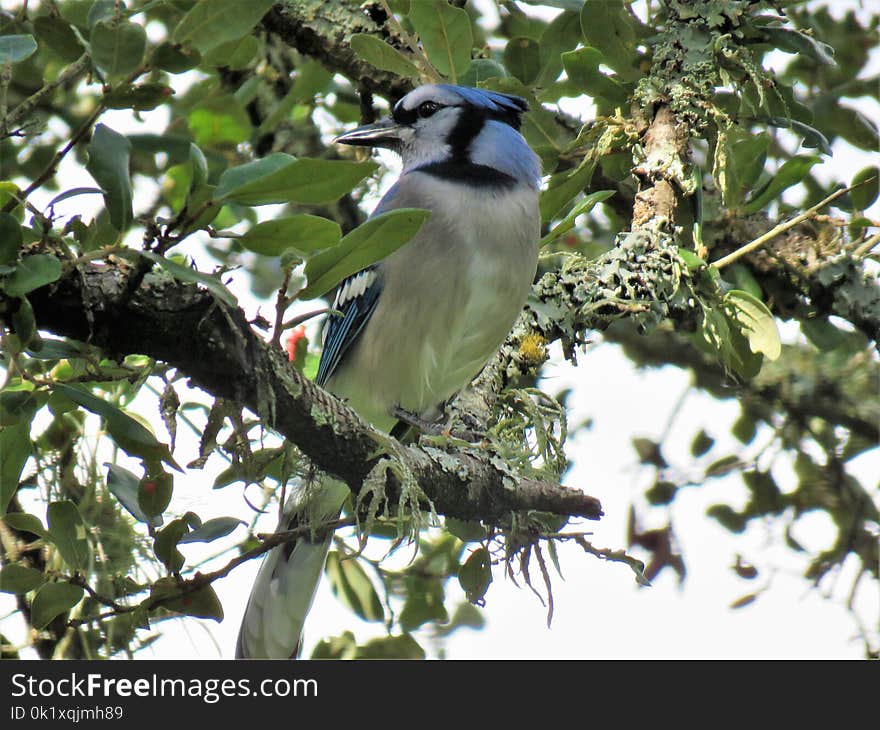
(384, 133)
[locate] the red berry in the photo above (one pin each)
(298, 334)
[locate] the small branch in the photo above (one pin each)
(5, 78)
(186, 327)
(428, 71)
(52, 167)
(200, 580)
(68, 74)
(781, 228)
(282, 302)
(865, 248)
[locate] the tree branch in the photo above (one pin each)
(185, 326)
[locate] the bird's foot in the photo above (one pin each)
(438, 428)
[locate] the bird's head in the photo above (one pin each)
(441, 122)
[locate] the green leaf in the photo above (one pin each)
(303, 233)
(31, 273)
(73, 193)
(465, 530)
(793, 41)
(52, 600)
(140, 97)
(868, 181)
(791, 173)
(15, 447)
(690, 259)
(68, 533)
(391, 647)
(336, 647)
(199, 168)
(132, 436)
(185, 273)
(24, 324)
(236, 54)
(351, 585)
(109, 154)
(546, 136)
(563, 34)
(482, 69)
(154, 493)
(855, 127)
(662, 492)
(701, 444)
(424, 603)
(383, 56)
(608, 27)
(742, 278)
(745, 163)
(175, 59)
(125, 486)
(522, 58)
(219, 121)
(582, 208)
(212, 529)
(745, 428)
(117, 47)
(17, 405)
(19, 579)
(280, 178)
(445, 33)
(812, 137)
(562, 188)
(201, 603)
(649, 451)
(476, 575)
(370, 242)
(756, 322)
(10, 238)
(721, 336)
(212, 22)
(56, 33)
(165, 544)
(24, 522)
(16, 48)
(99, 10)
(582, 67)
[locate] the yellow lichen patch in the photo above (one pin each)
(533, 349)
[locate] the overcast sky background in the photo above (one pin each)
(600, 611)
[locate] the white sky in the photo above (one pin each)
(600, 612)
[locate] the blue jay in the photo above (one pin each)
(418, 325)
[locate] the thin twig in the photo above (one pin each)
(427, 68)
(865, 248)
(52, 167)
(69, 73)
(200, 580)
(781, 228)
(282, 302)
(5, 78)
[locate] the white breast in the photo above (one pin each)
(450, 296)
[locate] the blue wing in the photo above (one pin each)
(356, 299)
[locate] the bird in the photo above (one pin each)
(413, 329)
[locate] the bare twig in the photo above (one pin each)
(781, 228)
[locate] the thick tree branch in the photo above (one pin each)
(187, 327)
(322, 31)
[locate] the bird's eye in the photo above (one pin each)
(427, 108)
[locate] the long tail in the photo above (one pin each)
(285, 586)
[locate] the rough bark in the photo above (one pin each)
(213, 344)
